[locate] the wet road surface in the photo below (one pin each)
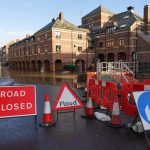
(69, 133)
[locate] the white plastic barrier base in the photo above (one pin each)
(101, 116)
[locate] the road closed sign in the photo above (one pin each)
(17, 101)
(142, 100)
(67, 99)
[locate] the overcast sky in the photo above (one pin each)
(21, 17)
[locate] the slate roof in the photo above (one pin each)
(98, 9)
(63, 24)
(122, 20)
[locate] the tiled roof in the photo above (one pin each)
(98, 9)
(63, 24)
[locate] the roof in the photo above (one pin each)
(97, 10)
(63, 24)
(122, 20)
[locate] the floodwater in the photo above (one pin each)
(42, 78)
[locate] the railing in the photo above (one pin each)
(117, 70)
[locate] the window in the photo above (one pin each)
(110, 44)
(38, 38)
(121, 42)
(126, 17)
(58, 48)
(46, 50)
(123, 25)
(58, 35)
(32, 50)
(79, 48)
(27, 52)
(38, 49)
(100, 44)
(79, 36)
(90, 26)
(45, 35)
(111, 30)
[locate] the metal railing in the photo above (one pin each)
(117, 70)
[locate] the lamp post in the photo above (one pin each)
(95, 44)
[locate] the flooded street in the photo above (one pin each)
(70, 133)
(40, 78)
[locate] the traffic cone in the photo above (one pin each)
(89, 108)
(47, 119)
(115, 118)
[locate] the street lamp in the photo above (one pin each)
(95, 44)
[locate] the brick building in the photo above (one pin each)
(119, 36)
(58, 44)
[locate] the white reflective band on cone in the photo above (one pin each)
(96, 81)
(89, 103)
(47, 108)
(115, 109)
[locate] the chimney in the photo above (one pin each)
(61, 16)
(147, 18)
(130, 8)
(27, 35)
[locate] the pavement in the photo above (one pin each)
(70, 133)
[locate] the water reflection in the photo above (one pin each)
(38, 78)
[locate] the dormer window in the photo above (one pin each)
(111, 29)
(126, 17)
(123, 25)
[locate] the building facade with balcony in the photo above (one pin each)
(58, 44)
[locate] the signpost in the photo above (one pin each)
(142, 100)
(17, 101)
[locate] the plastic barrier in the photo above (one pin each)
(107, 94)
(90, 75)
(104, 93)
(128, 104)
(95, 92)
(146, 81)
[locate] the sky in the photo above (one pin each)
(21, 17)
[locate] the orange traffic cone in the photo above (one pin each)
(47, 119)
(89, 108)
(115, 119)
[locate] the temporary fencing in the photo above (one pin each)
(103, 93)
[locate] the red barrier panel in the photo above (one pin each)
(95, 92)
(128, 104)
(90, 87)
(104, 100)
(146, 81)
(107, 94)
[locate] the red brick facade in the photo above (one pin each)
(118, 37)
(58, 44)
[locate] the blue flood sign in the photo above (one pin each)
(142, 100)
